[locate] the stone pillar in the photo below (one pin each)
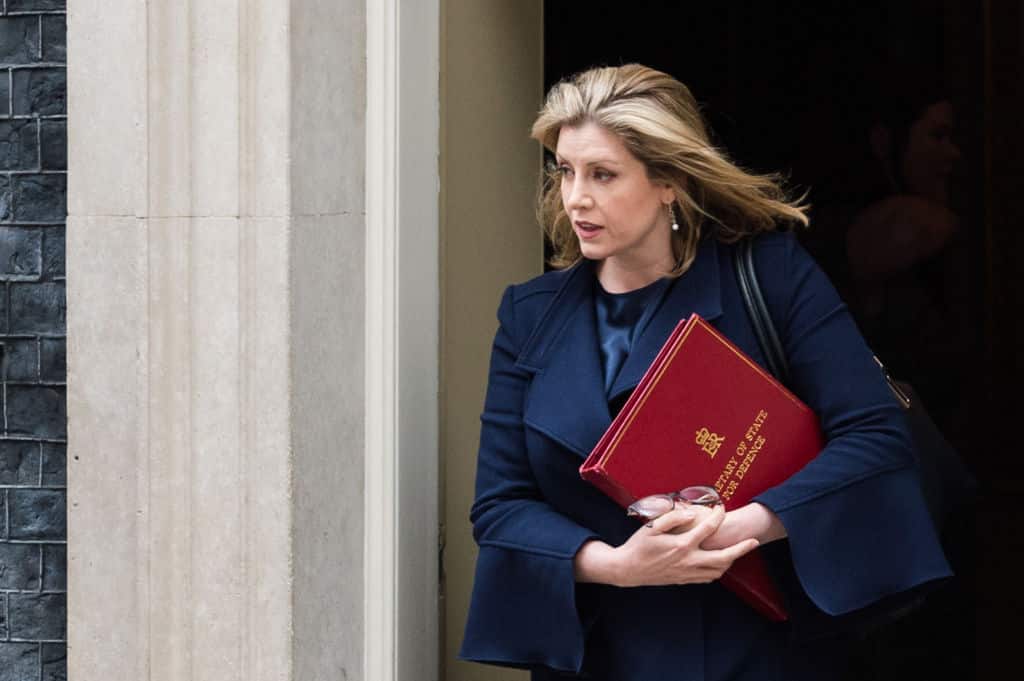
(215, 253)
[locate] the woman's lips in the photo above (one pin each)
(587, 230)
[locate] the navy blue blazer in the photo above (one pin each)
(858, 529)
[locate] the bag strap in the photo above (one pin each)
(757, 310)
(764, 328)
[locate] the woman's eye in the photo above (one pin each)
(563, 170)
(603, 175)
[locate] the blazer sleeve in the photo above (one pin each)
(858, 526)
(523, 608)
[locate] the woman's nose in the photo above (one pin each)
(577, 196)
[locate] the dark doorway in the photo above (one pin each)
(829, 93)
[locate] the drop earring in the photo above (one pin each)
(672, 217)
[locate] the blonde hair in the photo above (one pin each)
(660, 123)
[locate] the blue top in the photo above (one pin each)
(621, 318)
(859, 532)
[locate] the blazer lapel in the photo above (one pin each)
(698, 290)
(566, 400)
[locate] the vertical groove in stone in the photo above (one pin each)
(264, 87)
(169, 109)
(144, 472)
(191, 602)
(247, 643)
(170, 435)
(244, 113)
(215, 473)
(244, 446)
(215, 104)
(266, 438)
(195, 114)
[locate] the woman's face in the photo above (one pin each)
(619, 215)
(928, 160)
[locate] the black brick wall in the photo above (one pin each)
(33, 498)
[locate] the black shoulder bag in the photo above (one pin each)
(945, 480)
(942, 484)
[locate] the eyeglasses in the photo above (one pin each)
(654, 506)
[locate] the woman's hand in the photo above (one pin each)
(668, 552)
(751, 521)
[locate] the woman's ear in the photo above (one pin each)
(668, 195)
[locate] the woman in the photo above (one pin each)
(906, 255)
(642, 213)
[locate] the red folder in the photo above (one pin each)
(706, 414)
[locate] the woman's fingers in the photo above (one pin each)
(707, 526)
(723, 558)
(669, 552)
(679, 518)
